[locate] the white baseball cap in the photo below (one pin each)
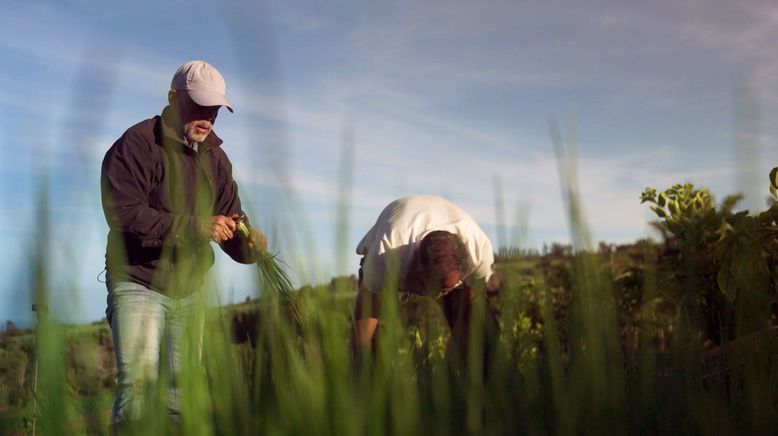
(204, 84)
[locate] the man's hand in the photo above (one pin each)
(257, 241)
(219, 228)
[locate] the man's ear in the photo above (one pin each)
(172, 98)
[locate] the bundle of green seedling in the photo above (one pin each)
(271, 275)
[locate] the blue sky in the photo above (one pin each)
(434, 97)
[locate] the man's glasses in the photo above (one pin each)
(445, 291)
(194, 110)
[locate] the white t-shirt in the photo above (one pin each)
(398, 231)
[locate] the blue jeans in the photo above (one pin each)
(145, 324)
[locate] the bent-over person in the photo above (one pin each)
(428, 246)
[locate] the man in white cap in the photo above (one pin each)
(167, 192)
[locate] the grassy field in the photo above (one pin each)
(569, 361)
(671, 338)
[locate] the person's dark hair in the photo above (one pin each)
(441, 252)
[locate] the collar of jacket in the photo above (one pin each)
(171, 135)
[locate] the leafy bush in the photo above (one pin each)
(718, 267)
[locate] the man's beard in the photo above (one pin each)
(197, 131)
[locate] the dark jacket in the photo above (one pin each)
(157, 193)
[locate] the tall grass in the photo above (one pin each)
(300, 377)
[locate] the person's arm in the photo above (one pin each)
(240, 249)
(457, 307)
(366, 315)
